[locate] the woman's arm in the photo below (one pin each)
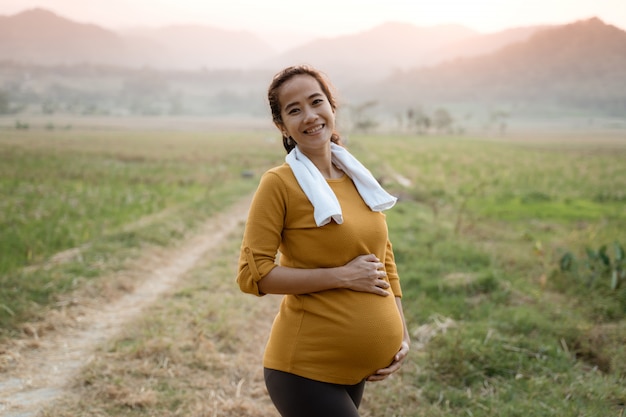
(258, 273)
(364, 273)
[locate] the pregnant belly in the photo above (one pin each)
(340, 334)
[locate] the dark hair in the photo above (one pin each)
(274, 89)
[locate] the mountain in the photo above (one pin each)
(375, 53)
(194, 46)
(481, 44)
(41, 37)
(582, 64)
(580, 67)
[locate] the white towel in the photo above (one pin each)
(325, 203)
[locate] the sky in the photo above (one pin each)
(288, 22)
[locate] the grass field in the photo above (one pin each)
(98, 195)
(511, 299)
(479, 239)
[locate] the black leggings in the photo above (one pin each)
(296, 396)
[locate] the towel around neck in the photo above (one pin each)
(326, 207)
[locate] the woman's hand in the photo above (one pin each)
(364, 273)
(394, 366)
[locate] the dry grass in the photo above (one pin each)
(70, 309)
(198, 353)
(195, 353)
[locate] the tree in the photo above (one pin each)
(498, 119)
(442, 120)
(362, 122)
(5, 103)
(418, 118)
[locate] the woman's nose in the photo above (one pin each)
(309, 114)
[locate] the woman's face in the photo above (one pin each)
(307, 114)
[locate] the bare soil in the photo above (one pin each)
(36, 369)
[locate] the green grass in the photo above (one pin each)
(478, 238)
(498, 329)
(107, 193)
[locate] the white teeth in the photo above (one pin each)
(315, 129)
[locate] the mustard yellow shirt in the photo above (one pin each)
(338, 336)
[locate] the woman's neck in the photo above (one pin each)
(323, 161)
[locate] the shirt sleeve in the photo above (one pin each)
(262, 234)
(392, 271)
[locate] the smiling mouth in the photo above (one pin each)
(314, 129)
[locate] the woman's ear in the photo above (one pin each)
(282, 129)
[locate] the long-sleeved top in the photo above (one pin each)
(339, 335)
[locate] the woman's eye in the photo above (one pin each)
(293, 111)
(317, 101)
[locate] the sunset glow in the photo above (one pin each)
(326, 17)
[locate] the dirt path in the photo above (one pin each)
(42, 370)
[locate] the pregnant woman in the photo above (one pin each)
(340, 322)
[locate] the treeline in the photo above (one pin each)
(107, 90)
(465, 95)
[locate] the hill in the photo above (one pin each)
(41, 37)
(481, 44)
(385, 49)
(375, 53)
(186, 47)
(578, 65)
(52, 64)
